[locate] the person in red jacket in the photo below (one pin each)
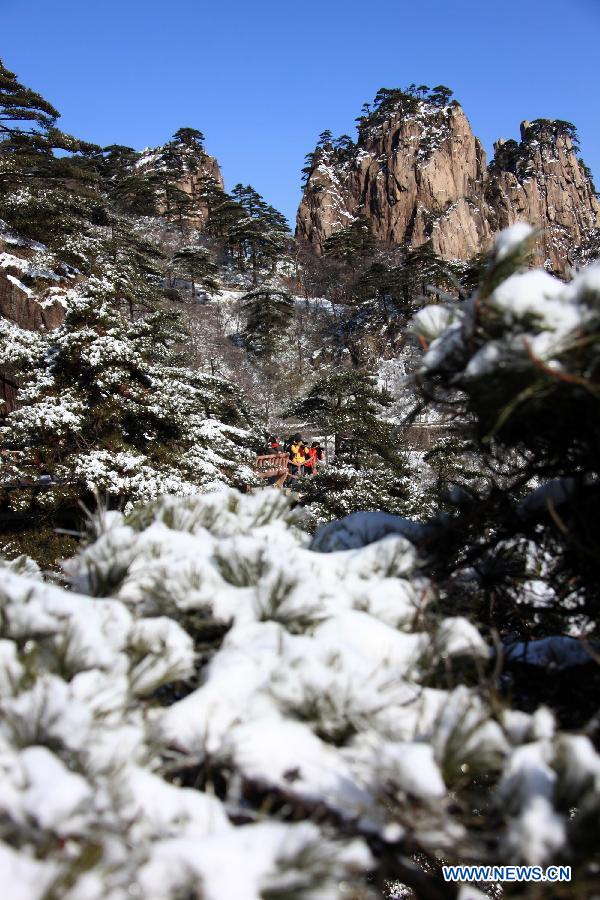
(315, 455)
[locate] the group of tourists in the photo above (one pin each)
(303, 459)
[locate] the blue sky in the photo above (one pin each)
(261, 79)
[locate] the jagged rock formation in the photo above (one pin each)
(543, 182)
(419, 174)
(190, 168)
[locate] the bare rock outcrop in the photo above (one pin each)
(420, 175)
(542, 181)
(31, 293)
(20, 306)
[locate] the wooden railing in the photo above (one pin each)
(271, 465)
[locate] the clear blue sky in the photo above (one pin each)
(262, 78)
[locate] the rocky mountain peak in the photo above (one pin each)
(418, 174)
(181, 165)
(543, 181)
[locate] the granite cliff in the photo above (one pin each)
(185, 166)
(417, 174)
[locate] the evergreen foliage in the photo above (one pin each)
(128, 190)
(104, 404)
(198, 265)
(254, 233)
(420, 272)
(523, 353)
(216, 705)
(513, 156)
(391, 101)
(268, 319)
(43, 195)
(328, 149)
(220, 682)
(356, 483)
(354, 241)
(349, 405)
(132, 264)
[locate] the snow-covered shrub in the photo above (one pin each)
(523, 343)
(344, 488)
(214, 710)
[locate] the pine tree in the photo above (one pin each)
(440, 95)
(250, 200)
(379, 280)
(20, 105)
(528, 377)
(133, 265)
(190, 137)
(422, 272)
(255, 207)
(348, 405)
(310, 162)
(104, 402)
(127, 189)
(268, 317)
(355, 241)
(254, 232)
(26, 122)
(42, 193)
(223, 211)
(198, 264)
(325, 139)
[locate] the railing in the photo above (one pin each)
(271, 465)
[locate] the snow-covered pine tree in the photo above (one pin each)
(45, 196)
(104, 403)
(523, 352)
(215, 710)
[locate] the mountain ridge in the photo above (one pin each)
(417, 173)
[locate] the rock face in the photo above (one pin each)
(31, 297)
(542, 181)
(421, 176)
(20, 307)
(188, 169)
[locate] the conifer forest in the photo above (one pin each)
(299, 523)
